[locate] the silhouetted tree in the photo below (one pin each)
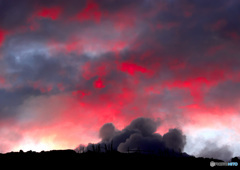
(80, 149)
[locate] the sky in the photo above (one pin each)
(69, 67)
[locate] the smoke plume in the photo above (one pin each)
(211, 150)
(140, 134)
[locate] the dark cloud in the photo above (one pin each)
(43, 70)
(14, 13)
(140, 134)
(107, 132)
(225, 95)
(174, 139)
(211, 150)
(147, 143)
(10, 100)
(116, 6)
(145, 126)
(69, 8)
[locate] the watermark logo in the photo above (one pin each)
(232, 164)
(212, 164)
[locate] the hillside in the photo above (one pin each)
(103, 159)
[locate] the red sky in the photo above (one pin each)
(68, 67)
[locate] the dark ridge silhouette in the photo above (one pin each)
(169, 158)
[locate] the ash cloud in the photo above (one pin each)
(107, 131)
(174, 139)
(211, 150)
(139, 134)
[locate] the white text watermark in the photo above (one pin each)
(212, 164)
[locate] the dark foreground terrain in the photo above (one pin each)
(110, 159)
